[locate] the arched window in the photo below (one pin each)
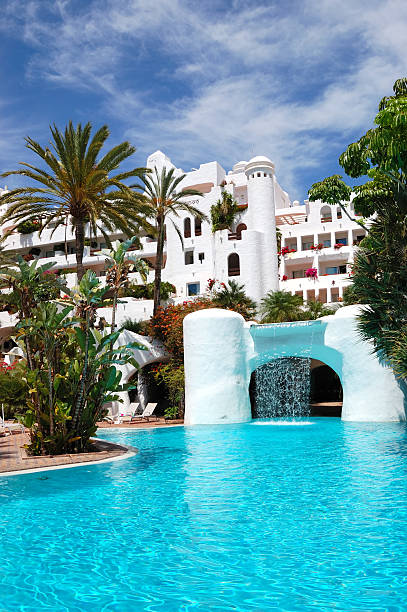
(198, 227)
(326, 214)
(339, 213)
(240, 228)
(233, 265)
(187, 228)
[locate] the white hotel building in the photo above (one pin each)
(248, 254)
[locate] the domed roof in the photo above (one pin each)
(239, 166)
(259, 159)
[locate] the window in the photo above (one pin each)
(265, 174)
(339, 213)
(307, 245)
(240, 228)
(189, 257)
(336, 270)
(187, 228)
(298, 274)
(327, 243)
(343, 241)
(233, 265)
(193, 289)
(259, 174)
(201, 257)
(326, 214)
(198, 227)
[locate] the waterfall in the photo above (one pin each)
(281, 388)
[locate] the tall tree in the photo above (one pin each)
(76, 184)
(164, 199)
(380, 270)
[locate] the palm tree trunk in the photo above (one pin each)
(114, 308)
(79, 402)
(158, 264)
(79, 248)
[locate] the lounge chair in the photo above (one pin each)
(147, 413)
(131, 412)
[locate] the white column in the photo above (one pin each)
(333, 238)
(316, 294)
(304, 295)
(299, 245)
(316, 239)
(350, 237)
(340, 290)
(328, 295)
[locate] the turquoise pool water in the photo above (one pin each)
(240, 517)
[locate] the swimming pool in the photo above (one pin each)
(239, 517)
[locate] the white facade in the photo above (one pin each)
(248, 254)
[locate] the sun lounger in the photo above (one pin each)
(131, 412)
(147, 413)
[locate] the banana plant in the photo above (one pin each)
(46, 327)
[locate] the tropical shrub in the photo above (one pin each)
(71, 371)
(224, 212)
(146, 292)
(13, 388)
(233, 297)
(29, 226)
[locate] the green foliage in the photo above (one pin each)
(72, 369)
(164, 197)
(350, 296)
(331, 190)
(28, 227)
(173, 377)
(380, 270)
(13, 389)
(233, 297)
(137, 327)
(315, 310)
(224, 212)
(75, 182)
(147, 291)
(280, 306)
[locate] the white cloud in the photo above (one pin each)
(291, 80)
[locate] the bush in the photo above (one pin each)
(29, 226)
(146, 292)
(137, 327)
(13, 388)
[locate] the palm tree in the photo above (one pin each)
(233, 296)
(315, 310)
(76, 184)
(164, 199)
(280, 306)
(224, 212)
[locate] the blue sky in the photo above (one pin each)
(296, 81)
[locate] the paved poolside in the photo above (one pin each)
(13, 457)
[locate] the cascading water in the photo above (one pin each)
(281, 388)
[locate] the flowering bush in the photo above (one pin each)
(338, 245)
(285, 250)
(285, 277)
(317, 247)
(311, 273)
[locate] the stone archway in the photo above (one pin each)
(221, 351)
